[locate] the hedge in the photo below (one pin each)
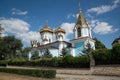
(107, 56)
(3, 62)
(31, 72)
(67, 61)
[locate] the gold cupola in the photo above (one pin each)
(46, 29)
(59, 29)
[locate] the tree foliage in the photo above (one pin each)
(9, 45)
(1, 29)
(99, 44)
(47, 54)
(88, 50)
(35, 55)
(116, 53)
(63, 52)
(25, 52)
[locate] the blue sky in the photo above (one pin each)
(24, 18)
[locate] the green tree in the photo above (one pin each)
(1, 29)
(13, 44)
(47, 54)
(64, 52)
(116, 53)
(88, 51)
(99, 44)
(35, 55)
(25, 52)
(4, 50)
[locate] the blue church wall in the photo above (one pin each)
(54, 52)
(79, 47)
(69, 51)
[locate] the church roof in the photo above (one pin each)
(117, 40)
(46, 29)
(59, 29)
(81, 20)
(52, 45)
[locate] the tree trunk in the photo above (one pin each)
(92, 61)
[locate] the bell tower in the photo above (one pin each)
(82, 35)
(81, 28)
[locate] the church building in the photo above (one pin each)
(54, 40)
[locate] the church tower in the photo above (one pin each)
(82, 35)
(81, 28)
(59, 34)
(46, 34)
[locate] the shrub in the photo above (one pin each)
(116, 54)
(17, 61)
(31, 72)
(74, 62)
(3, 62)
(102, 56)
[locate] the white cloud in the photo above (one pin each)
(102, 27)
(18, 12)
(68, 28)
(71, 16)
(104, 8)
(19, 28)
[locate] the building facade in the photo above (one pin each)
(54, 40)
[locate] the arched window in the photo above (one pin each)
(79, 32)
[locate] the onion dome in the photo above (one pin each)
(46, 29)
(59, 29)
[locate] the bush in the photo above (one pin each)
(17, 61)
(102, 56)
(116, 54)
(67, 61)
(3, 62)
(74, 62)
(31, 72)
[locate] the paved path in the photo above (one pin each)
(86, 77)
(64, 74)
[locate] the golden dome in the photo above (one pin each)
(46, 29)
(59, 29)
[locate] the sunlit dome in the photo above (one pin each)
(59, 29)
(46, 29)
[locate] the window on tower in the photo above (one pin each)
(79, 31)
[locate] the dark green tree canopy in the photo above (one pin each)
(9, 45)
(47, 54)
(1, 29)
(99, 44)
(64, 52)
(35, 55)
(25, 52)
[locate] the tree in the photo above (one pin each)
(88, 51)
(47, 54)
(4, 50)
(35, 55)
(98, 44)
(64, 52)
(116, 53)
(25, 52)
(1, 29)
(13, 44)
